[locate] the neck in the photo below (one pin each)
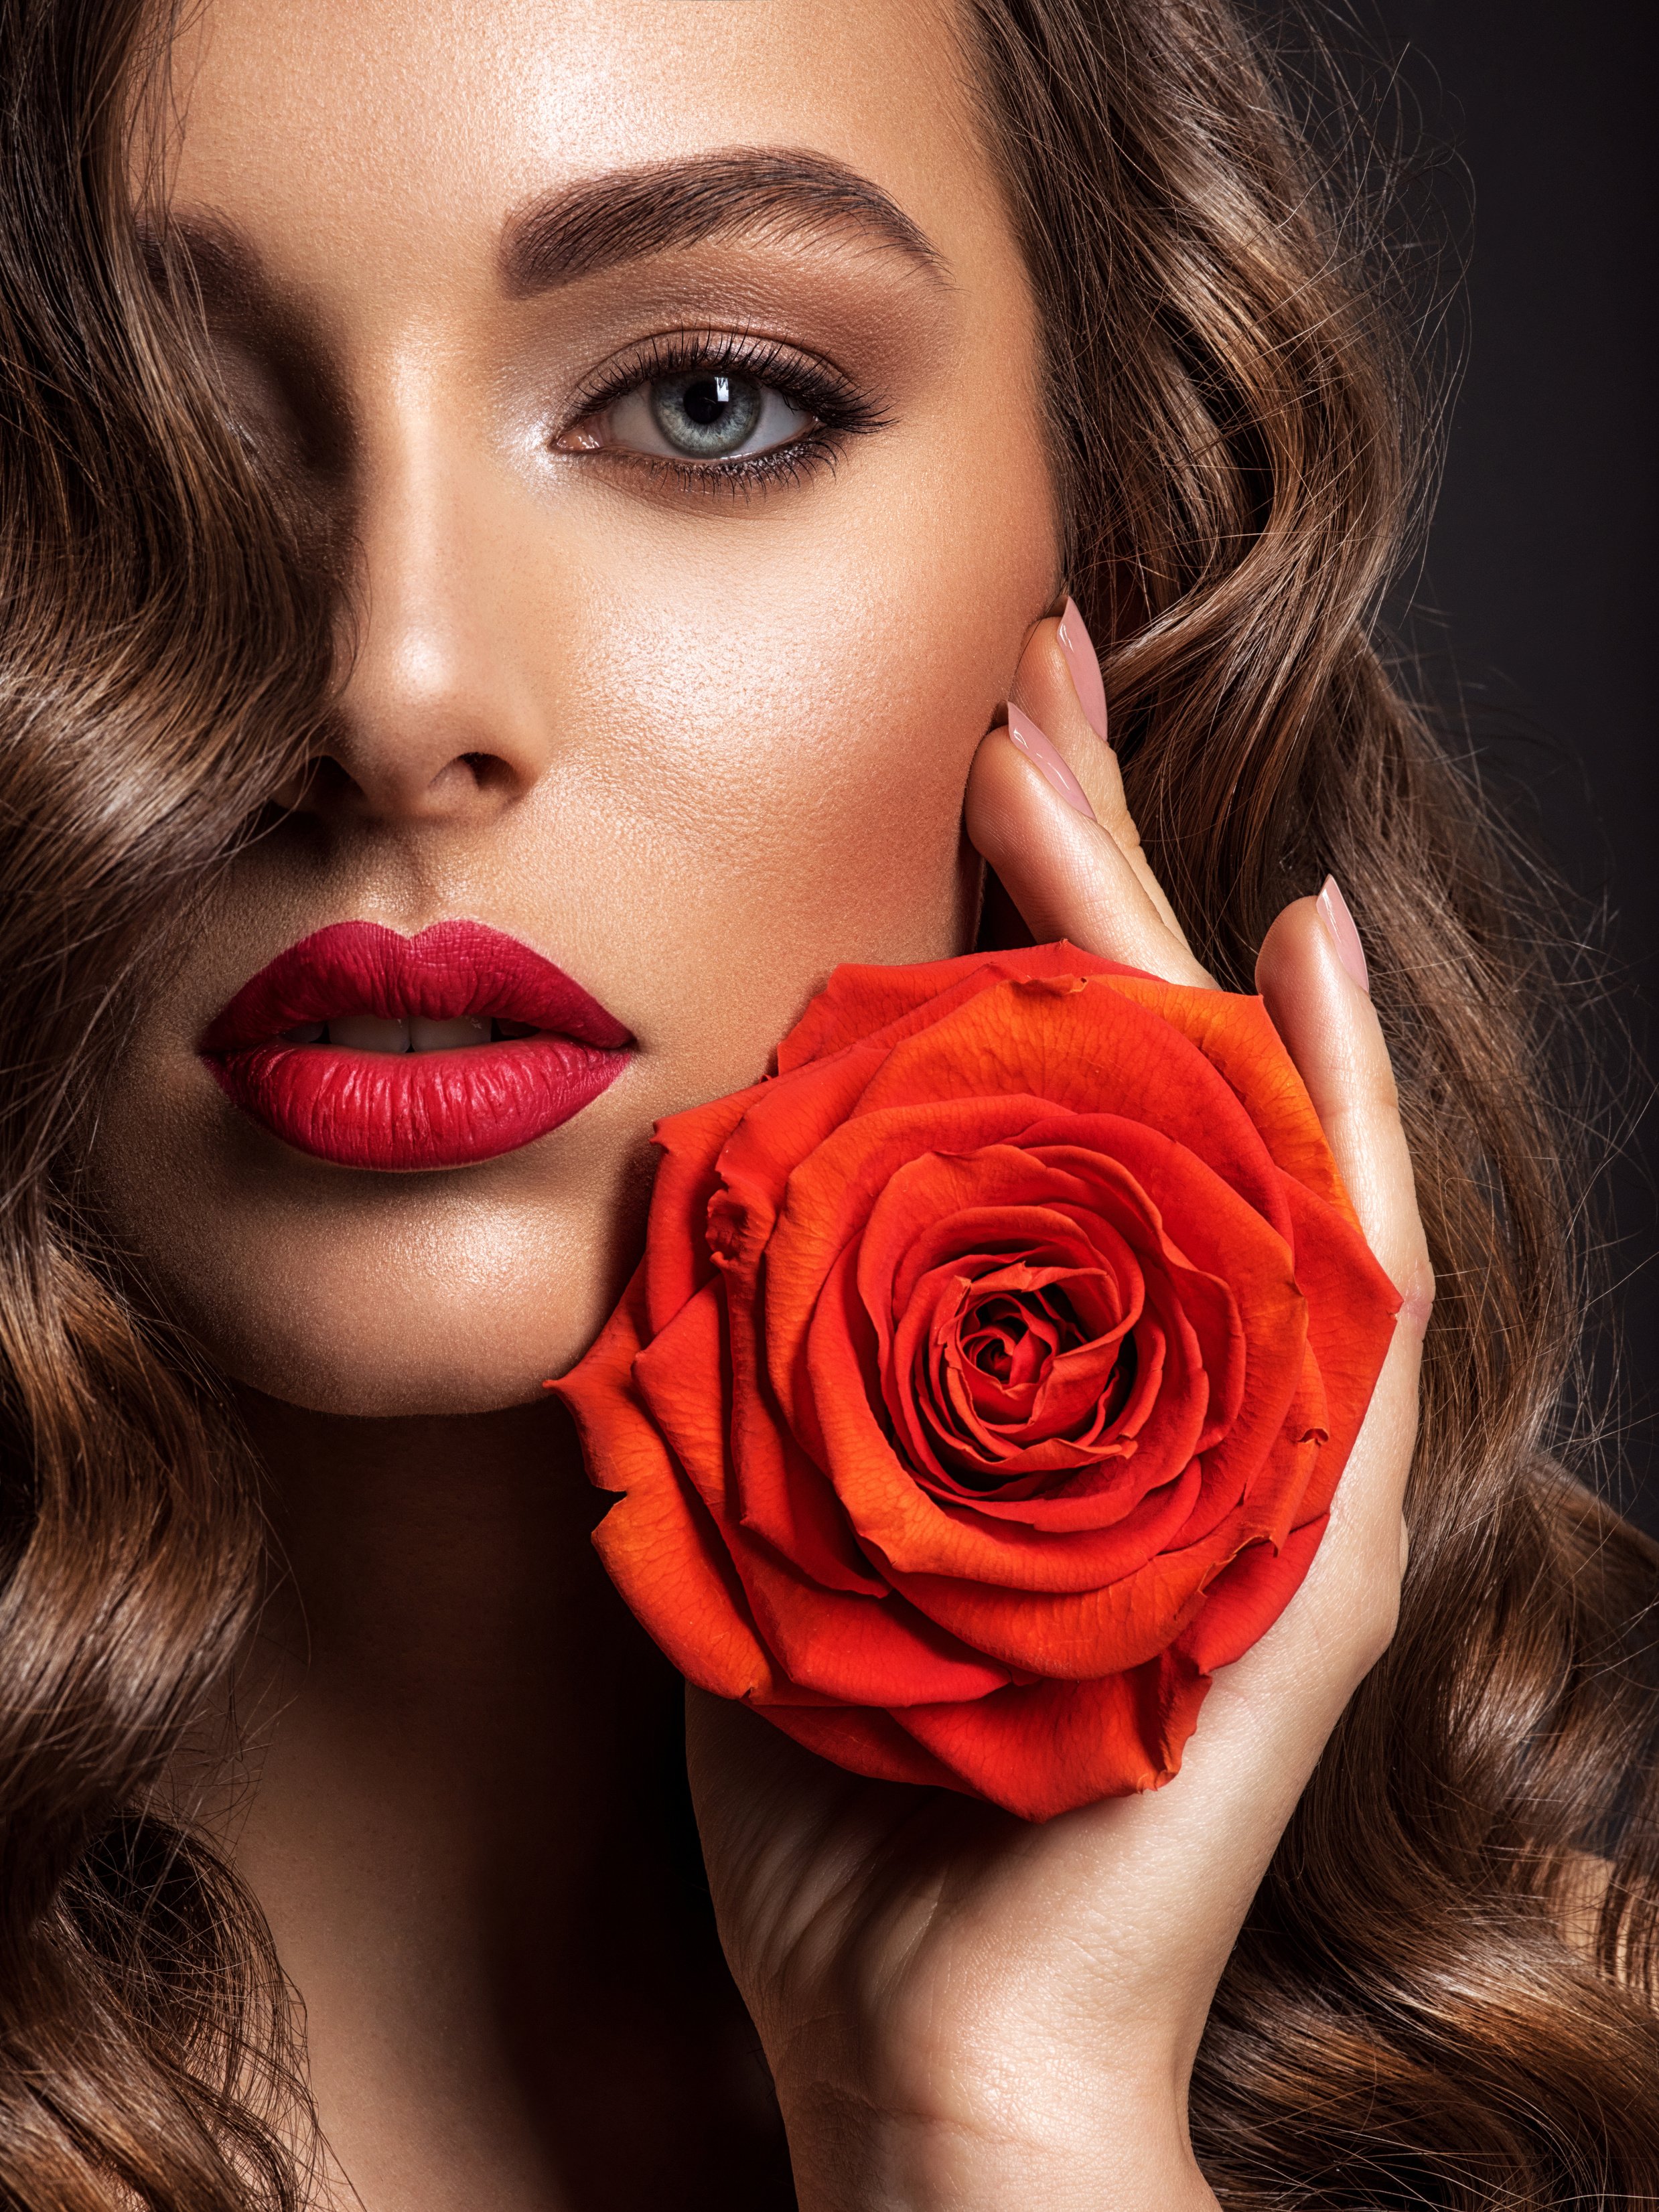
(462, 1811)
(440, 1584)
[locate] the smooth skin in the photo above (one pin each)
(697, 745)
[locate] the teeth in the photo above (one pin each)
(447, 1037)
(366, 1033)
(369, 1033)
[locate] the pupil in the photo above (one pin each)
(706, 413)
(707, 400)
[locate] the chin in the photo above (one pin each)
(451, 1316)
(385, 1380)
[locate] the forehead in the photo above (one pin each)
(409, 128)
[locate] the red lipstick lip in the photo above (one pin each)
(412, 1111)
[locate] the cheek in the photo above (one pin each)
(790, 711)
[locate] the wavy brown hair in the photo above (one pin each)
(165, 646)
(1445, 1994)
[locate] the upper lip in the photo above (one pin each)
(450, 969)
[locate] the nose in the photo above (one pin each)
(437, 720)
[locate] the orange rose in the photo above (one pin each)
(988, 1374)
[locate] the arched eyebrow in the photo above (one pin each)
(602, 222)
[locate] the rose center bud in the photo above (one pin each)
(1016, 1340)
(1024, 1380)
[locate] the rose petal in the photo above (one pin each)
(940, 1404)
(1352, 1311)
(1073, 1637)
(671, 1379)
(1075, 1050)
(866, 1740)
(1046, 1749)
(1064, 1374)
(775, 1490)
(837, 1643)
(862, 1651)
(658, 1544)
(677, 1263)
(827, 1202)
(1221, 1237)
(1247, 1597)
(1070, 1434)
(1237, 1036)
(890, 1511)
(883, 1004)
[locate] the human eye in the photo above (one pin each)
(717, 410)
(706, 415)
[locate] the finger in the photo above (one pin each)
(1063, 872)
(1271, 1710)
(1324, 1014)
(1058, 684)
(1330, 1028)
(1034, 810)
(776, 1821)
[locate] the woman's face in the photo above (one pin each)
(672, 367)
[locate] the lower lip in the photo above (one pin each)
(416, 1110)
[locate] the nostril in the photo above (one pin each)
(488, 771)
(321, 781)
(330, 779)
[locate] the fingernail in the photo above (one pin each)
(1344, 938)
(1084, 662)
(1040, 751)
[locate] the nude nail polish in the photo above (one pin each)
(1039, 750)
(1084, 662)
(1344, 938)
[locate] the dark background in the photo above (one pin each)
(1534, 126)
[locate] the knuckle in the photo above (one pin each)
(1377, 1622)
(1417, 1288)
(1369, 1623)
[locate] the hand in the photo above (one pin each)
(962, 2010)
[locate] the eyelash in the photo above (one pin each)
(839, 412)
